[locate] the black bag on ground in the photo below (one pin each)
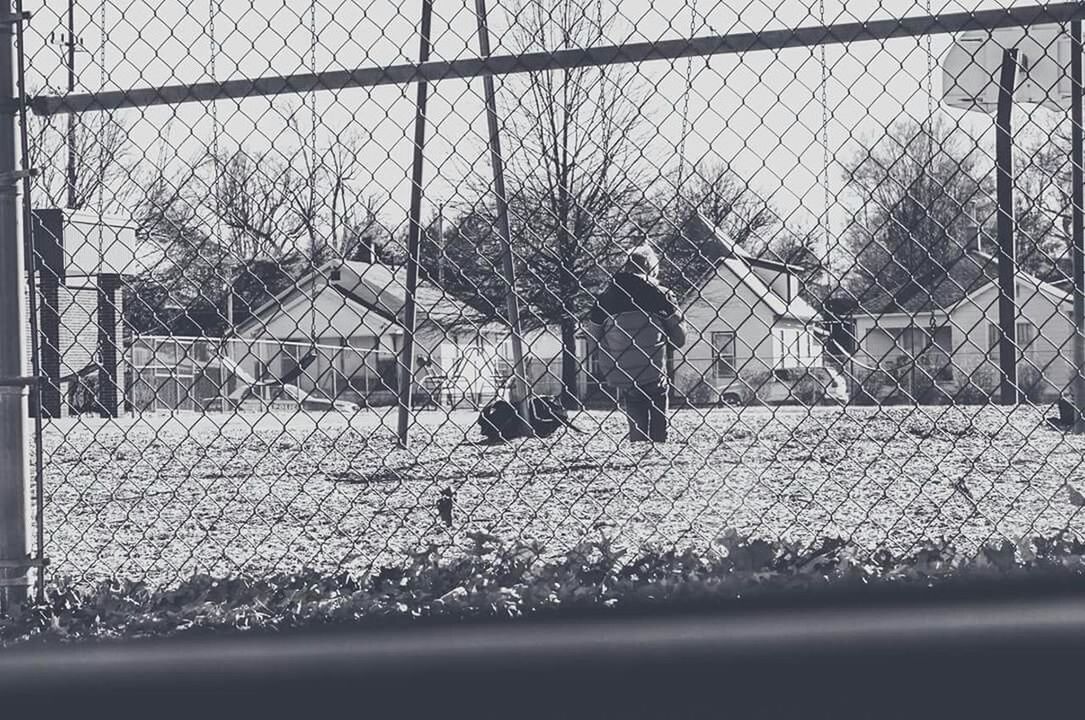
(1067, 419)
(500, 421)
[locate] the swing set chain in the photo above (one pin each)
(691, 5)
(826, 164)
(213, 7)
(313, 149)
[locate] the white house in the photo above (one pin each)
(747, 316)
(943, 331)
(350, 316)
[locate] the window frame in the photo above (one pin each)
(718, 355)
(1026, 346)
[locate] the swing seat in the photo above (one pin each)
(434, 388)
(295, 372)
(244, 392)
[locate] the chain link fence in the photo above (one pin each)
(279, 263)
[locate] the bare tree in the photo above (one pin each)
(254, 199)
(726, 203)
(913, 188)
(575, 139)
(296, 199)
(357, 233)
(103, 161)
(1043, 203)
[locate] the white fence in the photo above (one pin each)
(214, 374)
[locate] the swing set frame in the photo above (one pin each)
(487, 65)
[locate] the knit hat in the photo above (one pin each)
(643, 259)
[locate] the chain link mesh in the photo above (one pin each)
(221, 285)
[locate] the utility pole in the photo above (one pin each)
(70, 43)
(72, 199)
(14, 459)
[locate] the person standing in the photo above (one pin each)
(632, 323)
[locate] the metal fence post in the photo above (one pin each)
(406, 362)
(1007, 252)
(1078, 251)
(519, 391)
(14, 459)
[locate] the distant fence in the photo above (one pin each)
(202, 374)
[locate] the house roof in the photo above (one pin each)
(938, 288)
(378, 288)
(943, 289)
(745, 266)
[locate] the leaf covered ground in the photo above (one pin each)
(158, 499)
(491, 579)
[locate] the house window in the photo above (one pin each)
(1026, 335)
(723, 354)
(387, 372)
(943, 352)
(791, 346)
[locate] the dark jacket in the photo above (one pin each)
(632, 322)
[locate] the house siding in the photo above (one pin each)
(77, 341)
(762, 340)
(1048, 357)
(326, 315)
(360, 353)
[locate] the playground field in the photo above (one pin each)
(159, 497)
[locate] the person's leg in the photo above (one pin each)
(657, 415)
(637, 408)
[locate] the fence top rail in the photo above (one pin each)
(811, 36)
(145, 341)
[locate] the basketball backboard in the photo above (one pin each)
(79, 244)
(971, 69)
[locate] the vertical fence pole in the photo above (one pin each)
(14, 460)
(441, 245)
(1078, 224)
(406, 361)
(518, 393)
(1007, 257)
(73, 195)
(109, 288)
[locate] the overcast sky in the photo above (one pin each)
(761, 111)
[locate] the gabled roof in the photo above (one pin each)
(943, 289)
(744, 265)
(378, 288)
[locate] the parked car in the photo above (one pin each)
(784, 386)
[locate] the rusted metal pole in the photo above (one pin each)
(406, 358)
(518, 391)
(14, 458)
(1078, 224)
(1007, 255)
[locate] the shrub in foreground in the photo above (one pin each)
(499, 580)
